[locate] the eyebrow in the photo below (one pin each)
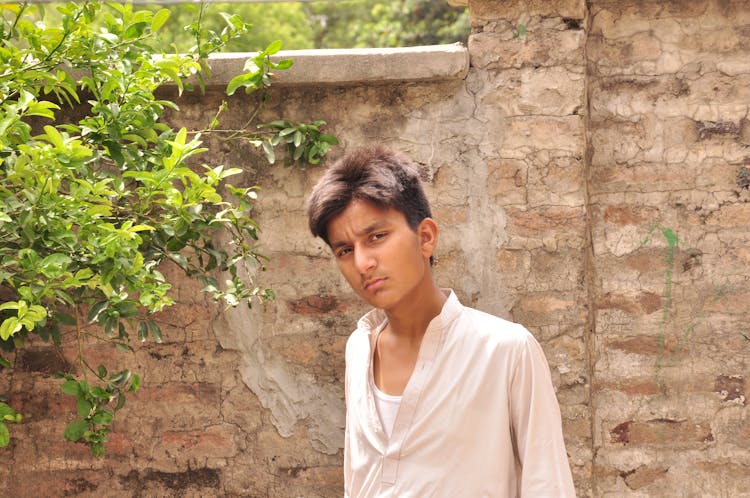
(376, 225)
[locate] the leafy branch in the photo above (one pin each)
(90, 208)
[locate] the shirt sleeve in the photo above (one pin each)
(537, 427)
(347, 448)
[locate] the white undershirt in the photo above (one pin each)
(387, 406)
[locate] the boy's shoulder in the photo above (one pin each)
(486, 326)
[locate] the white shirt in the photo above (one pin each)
(478, 417)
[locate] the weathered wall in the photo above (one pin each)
(669, 90)
(559, 170)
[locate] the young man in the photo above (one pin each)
(441, 400)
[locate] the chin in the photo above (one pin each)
(376, 301)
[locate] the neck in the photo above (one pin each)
(410, 323)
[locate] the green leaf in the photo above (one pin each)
(155, 331)
(55, 265)
(127, 309)
(9, 327)
(142, 331)
(83, 407)
(120, 378)
(96, 311)
(65, 318)
(97, 449)
(328, 138)
(4, 435)
(239, 81)
(270, 154)
(273, 47)
(159, 19)
(75, 430)
(6, 410)
(71, 387)
(135, 383)
(100, 393)
(102, 417)
(284, 64)
(10, 305)
(53, 136)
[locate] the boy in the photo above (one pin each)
(441, 400)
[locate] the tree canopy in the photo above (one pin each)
(324, 24)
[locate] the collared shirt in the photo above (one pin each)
(478, 416)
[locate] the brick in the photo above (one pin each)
(316, 305)
(561, 270)
(548, 91)
(539, 222)
(633, 386)
(563, 134)
(202, 481)
(643, 476)
(542, 308)
(315, 353)
(506, 181)
(174, 405)
(513, 265)
(649, 345)
(733, 300)
(450, 216)
(620, 215)
(487, 9)
(643, 303)
(731, 216)
(500, 49)
(59, 483)
(214, 442)
(556, 179)
(662, 432)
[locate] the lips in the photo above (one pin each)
(374, 283)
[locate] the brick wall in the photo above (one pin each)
(668, 89)
(589, 179)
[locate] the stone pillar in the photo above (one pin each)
(528, 79)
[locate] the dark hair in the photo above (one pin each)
(376, 174)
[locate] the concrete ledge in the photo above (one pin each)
(355, 66)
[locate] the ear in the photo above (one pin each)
(427, 231)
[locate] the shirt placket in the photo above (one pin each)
(409, 401)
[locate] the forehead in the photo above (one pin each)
(359, 218)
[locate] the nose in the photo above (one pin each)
(364, 261)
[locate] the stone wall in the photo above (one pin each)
(669, 140)
(590, 178)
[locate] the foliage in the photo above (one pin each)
(91, 207)
(302, 141)
(7, 415)
(393, 23)
(322, 24)
(92, 424)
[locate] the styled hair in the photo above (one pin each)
(376, 174)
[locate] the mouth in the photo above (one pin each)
(374, 283)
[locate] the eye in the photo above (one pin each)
(378, 236)
(343, 252)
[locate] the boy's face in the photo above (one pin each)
(382, 258)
